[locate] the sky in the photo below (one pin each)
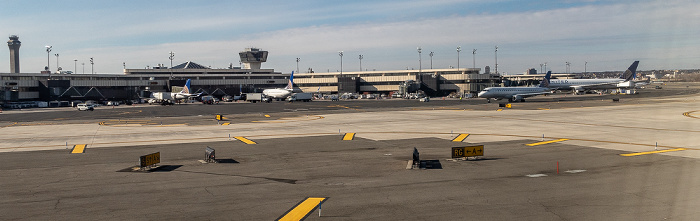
(592, 35)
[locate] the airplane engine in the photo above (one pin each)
(578, 90)
(516, 98)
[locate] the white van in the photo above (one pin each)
(85, 107)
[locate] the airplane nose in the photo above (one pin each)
(480, 93)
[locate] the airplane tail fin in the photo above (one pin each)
(545, 81)
(290, 85)
(186, 89)
(631, 72)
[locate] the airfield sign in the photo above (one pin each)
(469, 151)
(150, 159)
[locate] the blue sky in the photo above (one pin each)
(608, 34)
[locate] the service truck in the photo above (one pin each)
(305, 97)
(256, 97)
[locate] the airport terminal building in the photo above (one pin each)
(134, 84)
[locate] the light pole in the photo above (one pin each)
(361, 57)
(75, 67)
(568, 67)
(92, 66)
(48, 61)
(545, 67)
(496, 59)
(58, 67)
(172, 56)
(459, 48)
(297, 65)
(474, 57)
(341, 62)
(541, 68)
(585, 67)
(431, 59)
(420, 61)
(83, 67)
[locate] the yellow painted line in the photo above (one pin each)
(499, 110)
(245, 140)
(267, 115)
(349, 136)
(546, 142)
(460, 138)
(224, 124)
(303, 209)
(543, 108)
(651, 152)
(79, 148)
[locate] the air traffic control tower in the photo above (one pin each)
(14, 44)
(252, 58)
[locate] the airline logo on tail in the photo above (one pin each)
(545, 81)
(290, 85)
(631, 72)
(186, 89)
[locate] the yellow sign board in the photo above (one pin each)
(219, 117)
(508, 106)
(150, 159)
(470, 151)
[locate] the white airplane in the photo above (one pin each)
(183, 94)
(578, 86)
(281, 93)
(514, 94)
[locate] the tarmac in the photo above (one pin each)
(634, 159)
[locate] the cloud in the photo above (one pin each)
(607, 35)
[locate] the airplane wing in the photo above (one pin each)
(594, 86)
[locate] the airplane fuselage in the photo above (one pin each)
(510, 92)
(277, 93)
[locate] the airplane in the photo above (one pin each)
(579, 86)
(174, 96)
(514, 94)
(281, 93)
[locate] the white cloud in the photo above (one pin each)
(605, 35)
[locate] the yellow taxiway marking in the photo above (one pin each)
(499, 110)
(224, 124)
(303, 209)
(651, 152)
(245, 140)
(267, 115)
(546, 142)
(543, 108)
(79, 148)
(689, 114)
(349, 136)
(460, 138)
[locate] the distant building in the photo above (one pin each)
(531, 71)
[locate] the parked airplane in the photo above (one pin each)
(626, 80)
(514, 94)
(172, 96)
(281, 93)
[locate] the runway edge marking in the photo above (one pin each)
(460, 138)
(651, 152)
(546, 142)
(349, 136)
(245, 140)
(78, 148)
(303, 209)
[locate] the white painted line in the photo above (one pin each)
(575, 171)
(536, 175)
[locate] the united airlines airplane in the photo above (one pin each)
(626, 80)
(281, 93)
(514, 94)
